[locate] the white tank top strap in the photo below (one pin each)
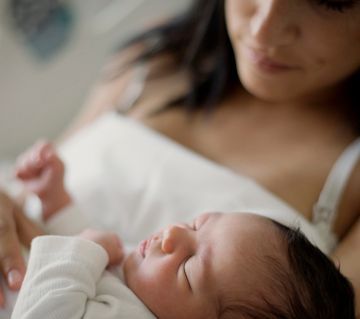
(325, 210)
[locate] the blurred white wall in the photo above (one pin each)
(38, 99)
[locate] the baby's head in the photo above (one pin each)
(236, 266)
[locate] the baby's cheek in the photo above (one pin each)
(140, 277)
(149, 291)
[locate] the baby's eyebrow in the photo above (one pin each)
(202, 219)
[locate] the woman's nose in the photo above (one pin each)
(274, 24)
(176, 237)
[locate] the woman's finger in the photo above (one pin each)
(11, 261)
(12, 264)
(27, 230)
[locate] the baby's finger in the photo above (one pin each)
(23, 170)
(28, 164)
(40, 185)
(29, 168)
(45, 151)
(39, 155)
(33, 161)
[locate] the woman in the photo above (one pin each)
(267, 90)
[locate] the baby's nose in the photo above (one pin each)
(173, 237)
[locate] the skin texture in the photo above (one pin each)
(184, 269)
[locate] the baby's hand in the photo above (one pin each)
(42, 173)
(109, 241)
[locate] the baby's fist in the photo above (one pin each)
(109, 241)
(40, 169)
(42, 173)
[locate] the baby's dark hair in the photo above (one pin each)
(310, 287)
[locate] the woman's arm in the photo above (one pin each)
(348, 256)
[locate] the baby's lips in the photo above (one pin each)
(142, 247)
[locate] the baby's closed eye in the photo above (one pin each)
(186, 272)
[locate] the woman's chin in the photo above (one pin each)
(274, 89)
(268, 93)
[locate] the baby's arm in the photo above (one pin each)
(63, 276)
(42, 172)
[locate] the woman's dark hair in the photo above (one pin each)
(198, 40)
(310, 288)
(199, 43)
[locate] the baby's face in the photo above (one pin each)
(183, 270)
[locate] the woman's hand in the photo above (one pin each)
(109, 241)
(15, 229)
(12, 264)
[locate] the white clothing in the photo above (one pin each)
(66, 279)
(130, 179)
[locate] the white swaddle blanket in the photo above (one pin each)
(133, 180)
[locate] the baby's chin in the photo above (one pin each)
(129, 263)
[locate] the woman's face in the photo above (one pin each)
(294, 49)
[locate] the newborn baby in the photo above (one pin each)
(220, 265)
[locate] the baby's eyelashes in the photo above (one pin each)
(185, 273)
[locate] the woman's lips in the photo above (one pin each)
(265, 63)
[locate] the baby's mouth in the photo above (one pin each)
(145, 244)
(143, 247)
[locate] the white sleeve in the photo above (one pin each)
(61, 279)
